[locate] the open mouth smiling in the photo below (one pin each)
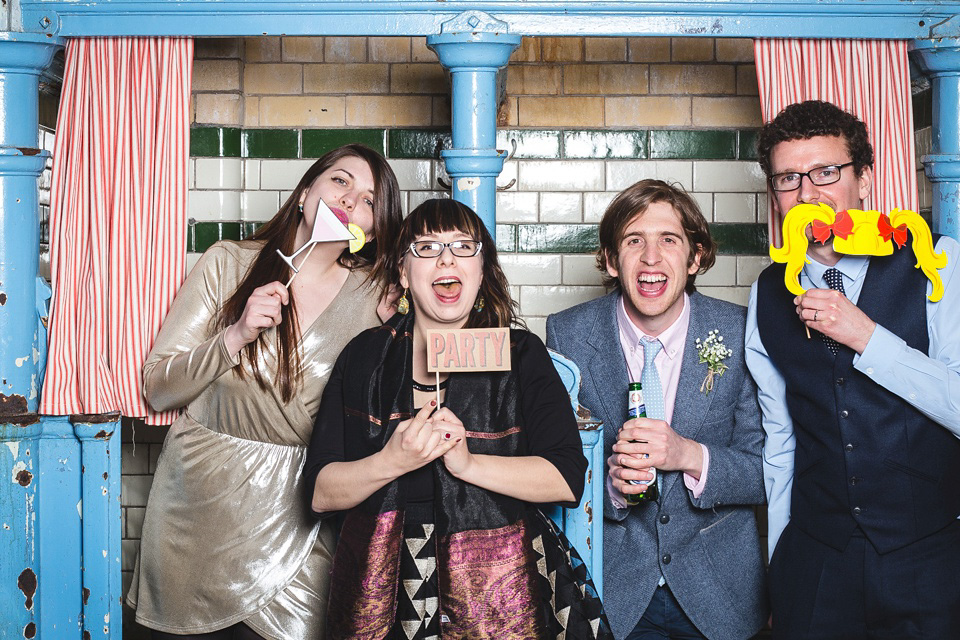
(447, 288)
(651, 284)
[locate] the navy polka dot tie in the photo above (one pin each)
(834, 280)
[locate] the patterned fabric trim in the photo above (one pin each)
(489, 586)
(363, 582)
(483, 435)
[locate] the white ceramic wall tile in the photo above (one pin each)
(561, 207)
(749, 268)
(134, 521)
(416, 198)
(259, 205)
(705, 202)
(192, 259)
(735, 207)
(191, 173)
(282, 174)
(218, 173)
(251, 174)
(594, 204)
(722, 274)
(134, 464)
(581, 270)
(726, 176)
(517, 206)
(134, 490)
(507, 180)
(538, 326)
(414, 174)
(567, 175)
(522, 269)
(763, 207)
(542, 301)
(128, 554)
(213, 205)
(736, 295)
(623, 173)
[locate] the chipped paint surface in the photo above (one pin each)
(20, 361)
(18, 468)
(80, 508)
(468, 184)
(27, 583)
(14, 447)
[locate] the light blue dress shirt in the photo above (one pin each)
(928, 381)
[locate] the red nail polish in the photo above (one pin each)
(433, 403)
(447, 436)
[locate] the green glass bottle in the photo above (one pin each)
(637, 408)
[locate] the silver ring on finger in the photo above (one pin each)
(815, 315)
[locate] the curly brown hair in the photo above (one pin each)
(633, 201)
(805, 120)
(440, 215)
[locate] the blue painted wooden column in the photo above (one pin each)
(940, 59)
(474, 46)
(22, 58)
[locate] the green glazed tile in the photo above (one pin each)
(741, 238)
(531, 143)
(557, 238)
(317, 142)
(202, 235)
(507, 238)
(215, 142)
(747, 144)
(271, 143)
(247, 229)
(605, 144)
(699, 145)
(417, 143)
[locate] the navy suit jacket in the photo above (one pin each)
(707, 547)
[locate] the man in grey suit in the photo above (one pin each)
(688, 565)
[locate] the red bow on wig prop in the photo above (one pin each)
(899, 234)
(842, 227)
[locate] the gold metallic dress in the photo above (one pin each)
(226, 536)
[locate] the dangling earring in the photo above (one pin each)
(300, 208)
(403, 305)
(478, 305)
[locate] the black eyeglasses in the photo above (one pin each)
(821, 177)
(433, 248)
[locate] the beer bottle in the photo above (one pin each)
(636, 408)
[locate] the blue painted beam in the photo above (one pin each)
(744, 18)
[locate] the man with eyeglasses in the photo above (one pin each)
(862, 418)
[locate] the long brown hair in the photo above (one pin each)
(438, 216)
(281, 232)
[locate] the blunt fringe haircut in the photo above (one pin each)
(440, 215)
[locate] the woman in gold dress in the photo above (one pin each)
(228, 550)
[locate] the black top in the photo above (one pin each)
(545, 409)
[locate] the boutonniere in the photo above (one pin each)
(712, 352)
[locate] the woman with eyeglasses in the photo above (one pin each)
(441, 534)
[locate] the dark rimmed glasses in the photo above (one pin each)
(820, 176)
(433, 248)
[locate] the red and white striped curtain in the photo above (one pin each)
(118, 203)
(868, 78)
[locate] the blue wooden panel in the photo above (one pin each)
(746, 18)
